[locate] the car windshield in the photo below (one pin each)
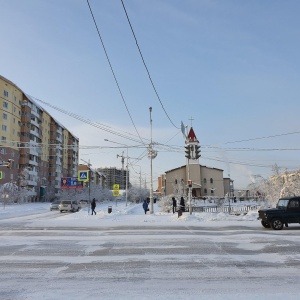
(56, 202)
(65, 202)
(283, 203)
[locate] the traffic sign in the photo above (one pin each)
(116, 187)
(116, 193)
(83, 176)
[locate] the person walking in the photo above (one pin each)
(145, 206)
(93, 206)
(182, 204)
(174, 204)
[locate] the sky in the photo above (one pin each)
(227, 68)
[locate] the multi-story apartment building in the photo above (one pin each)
(43, 150)
(115, 176)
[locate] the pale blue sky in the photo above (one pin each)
(231, 65)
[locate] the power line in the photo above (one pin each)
(82, 119)
(264, 137)
(112, 70)
(136, 42)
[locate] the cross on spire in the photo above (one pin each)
(191, 119)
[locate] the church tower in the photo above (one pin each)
(192, 148)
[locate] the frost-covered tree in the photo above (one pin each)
(166, 203)
(137, 194)
(277, 185)
(11, 193)
(86, 194)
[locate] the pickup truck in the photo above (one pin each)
(287, 211)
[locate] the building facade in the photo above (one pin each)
(206, 181)
(96, 178)
(115, 176)
(43, 150)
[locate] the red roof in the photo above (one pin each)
(192, 136)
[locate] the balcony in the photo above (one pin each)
(31, 183)
(33, 163)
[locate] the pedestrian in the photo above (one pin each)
(93, 206)
(145, 206)
(182, 204)
(174, 204)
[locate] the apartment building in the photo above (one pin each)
(43, 150)
(115, 176)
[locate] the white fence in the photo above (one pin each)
(235, 209)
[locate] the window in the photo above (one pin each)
(4, 127)
(5, 104)
(5, 93)
(212, 192)
(211, 180)
(205, 191)
(3, 139)
(204, 180)
(15, 109)
(15, 99)
(294, 204)
(4, 116)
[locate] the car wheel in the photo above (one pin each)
(61, 211)
(277, 224)
(265, 224)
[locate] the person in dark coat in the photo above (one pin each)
(145, 206)
(182, 204)
(174, 204)
(93, 206)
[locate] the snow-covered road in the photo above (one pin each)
(127, 255)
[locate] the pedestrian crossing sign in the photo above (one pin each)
(83, 176)
(116, 187)
(116, 193)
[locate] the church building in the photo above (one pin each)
(206, 181)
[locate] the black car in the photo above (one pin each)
(287, 211)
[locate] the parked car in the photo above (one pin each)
(68, 205)
(54, 205)
(287, 211)
(83, 203)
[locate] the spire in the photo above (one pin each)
(192, 136)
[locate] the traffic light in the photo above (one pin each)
(188, 151)
(197, 151)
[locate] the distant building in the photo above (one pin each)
(42, 148)
(206, 181)
(97, 178)
(115, 176)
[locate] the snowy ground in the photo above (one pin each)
(121, 215)
(130, 255)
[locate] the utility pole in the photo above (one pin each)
(151, 154)
(126, 178)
